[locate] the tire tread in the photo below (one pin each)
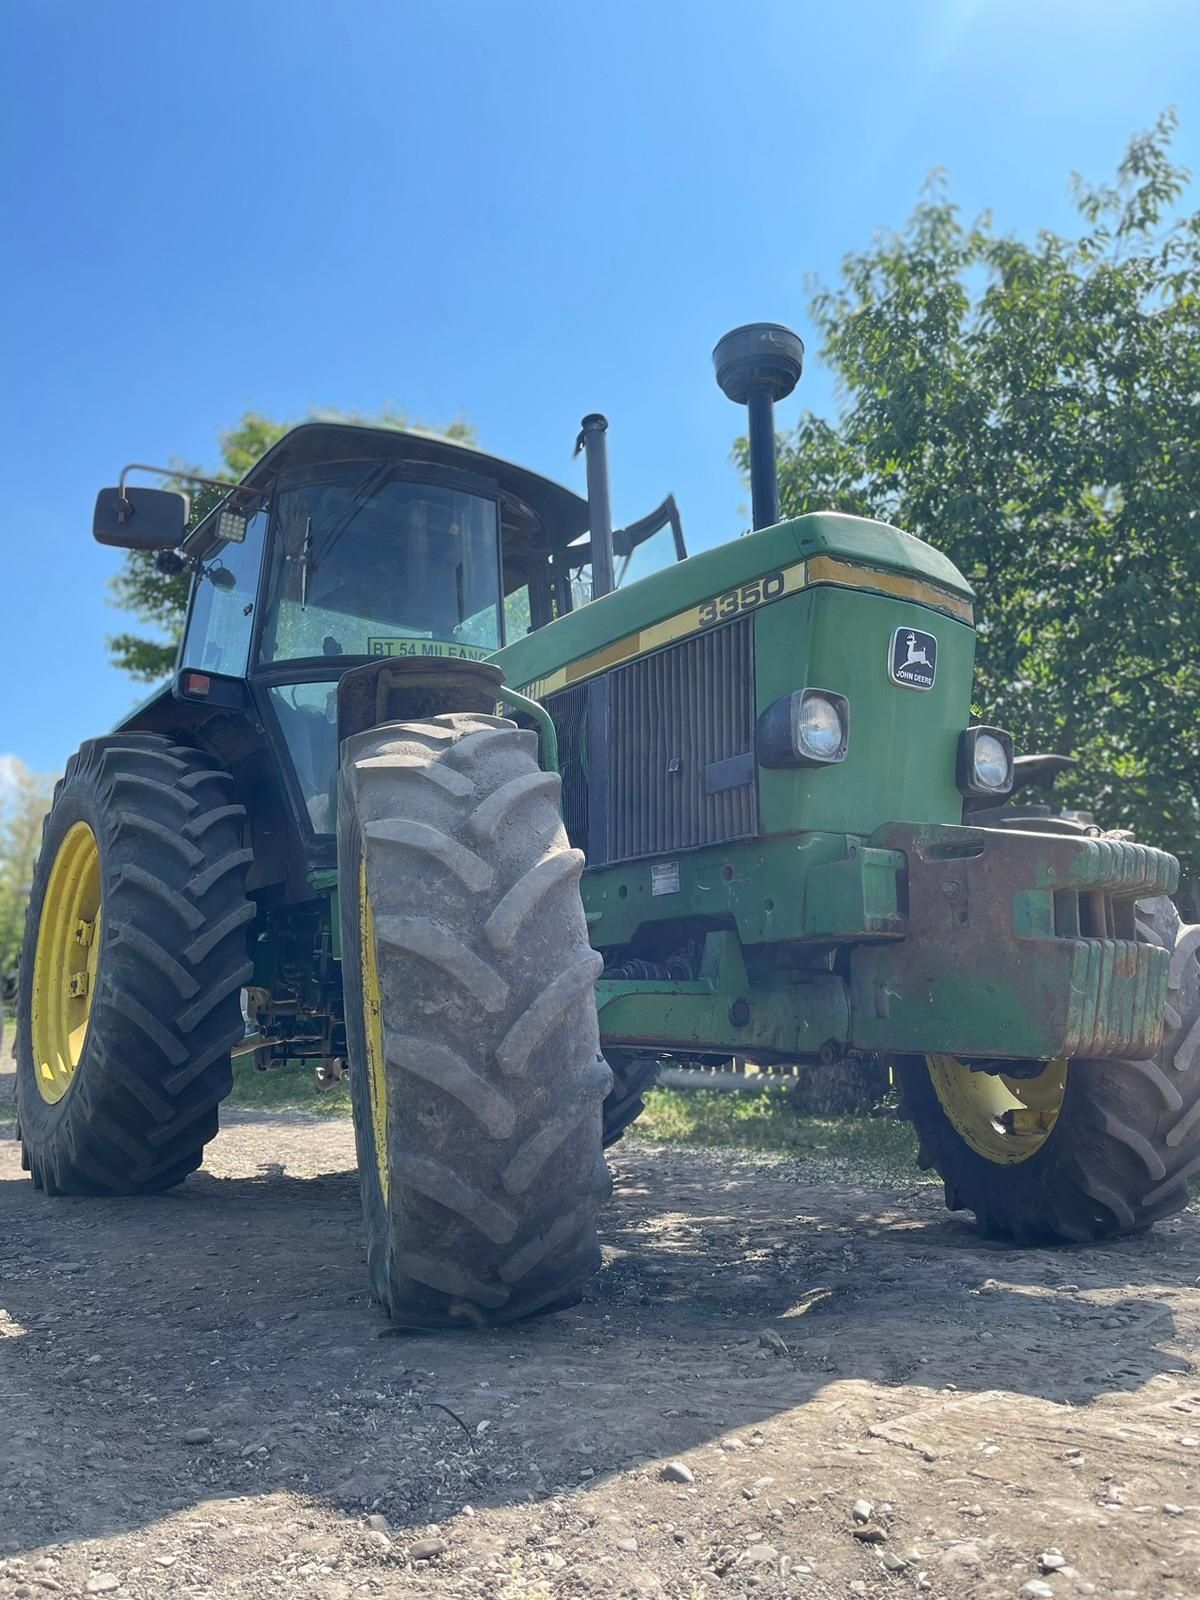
(166, 1012)
(491, 1042)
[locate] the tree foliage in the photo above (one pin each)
(24, 801)
(1032, 408)
(161, 600)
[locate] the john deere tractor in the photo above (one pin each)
(429, 792)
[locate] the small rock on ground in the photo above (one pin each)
(756, 1554)
(427, 1549)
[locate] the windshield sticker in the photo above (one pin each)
(426, 647)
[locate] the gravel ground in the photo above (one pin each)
(773, 1388)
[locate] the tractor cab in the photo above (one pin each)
(342, 545)
(367, 541)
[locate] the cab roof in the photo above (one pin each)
(562, 513)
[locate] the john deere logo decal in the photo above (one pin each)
(913, 659)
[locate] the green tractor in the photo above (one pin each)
(736, 808)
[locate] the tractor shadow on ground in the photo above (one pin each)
(731, 1294)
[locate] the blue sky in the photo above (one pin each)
(516, 212)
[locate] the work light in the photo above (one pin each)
(985, 761)
(231, 527)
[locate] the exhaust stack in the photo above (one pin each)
(592, 442)
(757, 365)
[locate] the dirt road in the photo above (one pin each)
(196, 1400)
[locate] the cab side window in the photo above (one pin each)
(528, 595)
(223, 604)
(517, 618)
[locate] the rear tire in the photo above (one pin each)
(842, 1089)
(475, 1067)
(633, 1079)
(1123, 1144)
(133, 1112)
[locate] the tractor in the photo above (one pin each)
(433, 794)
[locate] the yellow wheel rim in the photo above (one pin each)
(376, 1073)
(65, 962)
(1005, 1120)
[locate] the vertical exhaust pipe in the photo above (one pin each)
(592, 442)
(757, 365)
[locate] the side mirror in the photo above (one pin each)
(140, 519)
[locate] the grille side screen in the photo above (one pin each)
(677, 723)
(569, 710)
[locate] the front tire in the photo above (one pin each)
(131, 969)
(1111, 1143)
(475, 1067)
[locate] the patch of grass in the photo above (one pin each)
(294, 1088)
(873, 1148)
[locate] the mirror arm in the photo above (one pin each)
(125, 506)
(627, 539)
(172, 472)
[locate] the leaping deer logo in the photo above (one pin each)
(915, 657)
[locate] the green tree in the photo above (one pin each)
(24, 801)
(1032, 408)
(161, 600)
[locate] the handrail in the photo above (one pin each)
(541, 716)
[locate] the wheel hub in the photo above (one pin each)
(1004, 1119)
(65, 962)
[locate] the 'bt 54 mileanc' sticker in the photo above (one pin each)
(379, 646)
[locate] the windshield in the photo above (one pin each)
(365, 563)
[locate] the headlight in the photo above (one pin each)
(991, 763)
(816, 727)
(808, 728)
(985, 762)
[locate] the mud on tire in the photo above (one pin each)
(142, 1101)
(1126, 1139)
(491, 1068)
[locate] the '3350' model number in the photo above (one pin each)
(724, 606)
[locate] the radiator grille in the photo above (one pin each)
(672, 718)
(657, 756)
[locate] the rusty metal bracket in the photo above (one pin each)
(1017, 945)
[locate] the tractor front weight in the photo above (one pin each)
(973, 942)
